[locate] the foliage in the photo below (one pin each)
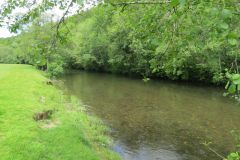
(55, 69)
(33, 10)
(186, 41)
(6, 55)
(181, 41)
(233, 83)
(39, 47)
(234, 156)
(178, 40)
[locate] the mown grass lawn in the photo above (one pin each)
(69, 135)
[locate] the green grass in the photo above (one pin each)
(70, 134)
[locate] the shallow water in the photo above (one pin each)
(159, 120)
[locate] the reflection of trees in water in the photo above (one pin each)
(160, 113)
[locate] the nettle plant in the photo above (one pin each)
(234, 156)
(233, 85)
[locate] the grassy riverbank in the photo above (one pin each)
(70, 134)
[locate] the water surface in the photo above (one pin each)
(159, 120)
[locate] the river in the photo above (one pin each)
(159, 120)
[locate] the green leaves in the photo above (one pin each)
(226, 13)
(233, 85)
(232, 89)
(177, 40)
(174, 3)
(234, 156)
(224, 26)
(232, 42)
(235, 78)
(232, 38)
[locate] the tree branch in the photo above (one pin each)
(140, 2)
(63, 17)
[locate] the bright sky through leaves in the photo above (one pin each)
(56, 13)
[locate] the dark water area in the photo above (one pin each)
(159, 120)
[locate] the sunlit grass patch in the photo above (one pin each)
(69, 134)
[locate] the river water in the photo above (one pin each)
(159, 120)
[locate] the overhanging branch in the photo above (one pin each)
(62, 19)
(140, 2)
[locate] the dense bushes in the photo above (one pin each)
(186, 42)
(6, 55)
(179, 40)
(38, 47)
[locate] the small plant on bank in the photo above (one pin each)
(234, 156)
(146, 79)
(55, 69)
(232, 85)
